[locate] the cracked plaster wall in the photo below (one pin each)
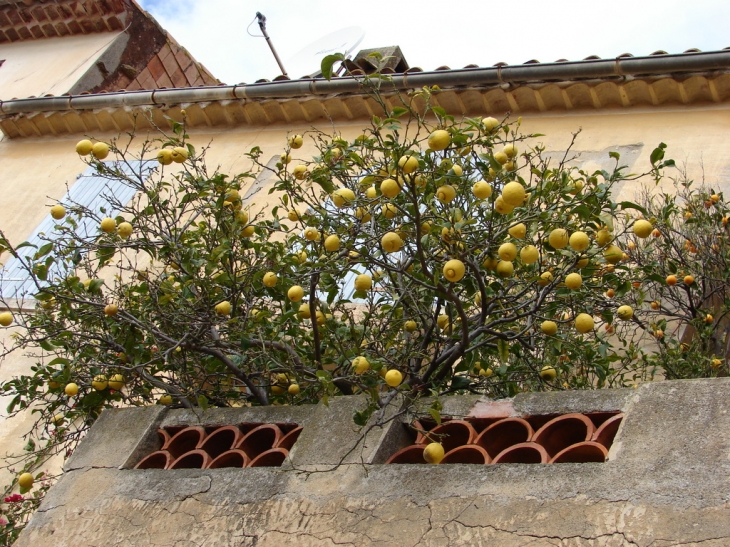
(665, 484)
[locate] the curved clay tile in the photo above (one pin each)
(418, 427)
(694, 50)
(452, 434)
(624, 55)
(503, 434)
(523, 453)
(195, 459)
(157, 460)
(409, 454)
(288, 440)
(584, 452)
(413, 69)
(561, 432)
(607, 431)
(221, 440)
(659, 52)
(259, 440)
(471, 65)
(470, 453)
(443, 67)
(282, 78)
(164, 436)
(531, 62)
(501, 63)
(230, 458)
(271, 458)
(591, 58)
(185, 440)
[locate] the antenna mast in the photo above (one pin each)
(262, 26)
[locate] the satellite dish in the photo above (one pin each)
(308, 60)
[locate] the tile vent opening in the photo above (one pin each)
(213, 447)
(565, 438)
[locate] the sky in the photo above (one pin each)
(431, 34)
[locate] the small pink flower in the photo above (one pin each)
(14, 498)
(3, 521)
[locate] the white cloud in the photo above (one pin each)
(440, 33)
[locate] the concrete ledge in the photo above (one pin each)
(667, 483)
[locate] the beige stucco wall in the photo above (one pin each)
(30, 71)
(36, 171)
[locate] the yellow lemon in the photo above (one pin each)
(223, 308)
(304, 312)
(58, 212)
(643, 228)
(270, 279)
(548, 373)
(433, 453)
(510, 150)
(513, 194)
(343, 197)
(100, 150)
(490, 123)
(111, 310)
(549, 327)
(501, 207)
(116, 382)
(295, 293)
(391, 242)
(454, 270)
(545, 279)
(439, 140)
(362, 214)
(410, 326)
(83, 148)
(573, 281)
(603, 237)
(25, 480)
(108, 225)
(393, 378)
(296, 141)
(408, 164)
(332, 243)
(505, 268)
(579, 241)
(529, 254)
(179, 154)
(248, 231)
(124, 230)
(360, 365)
(518, 231)
(625, 312)
(442, 321)
(390, 188)
(300, 172)
(501, 157)
(311, 234)
(389, 211)
(100, 382)
(481, 190)
(558, 238)
(507, 251)
(363, 282)
(446, 193)
(71, 389)
(292, 215)
(613, 254)
(583, 323)
(164, 156)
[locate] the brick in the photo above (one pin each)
(164, 81)
(24, 33)
(4, 21)
(39, 14)
(156, 67)
(113, 23)
(49, 30)
(146, 81)
(192, 73)
(183, 59)
(74, 27)
(169, 61)
(62, 29)
(36, 31)
(179, 79)
(12, 35)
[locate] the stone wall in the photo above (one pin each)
(666, 481)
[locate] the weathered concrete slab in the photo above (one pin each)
(667, 483)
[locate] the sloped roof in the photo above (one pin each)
(151, 58)
(591, 84)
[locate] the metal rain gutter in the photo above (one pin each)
(620, 67)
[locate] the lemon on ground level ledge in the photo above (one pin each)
(433, 453)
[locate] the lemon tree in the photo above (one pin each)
(429, 255)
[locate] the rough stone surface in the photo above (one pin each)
(667, 483)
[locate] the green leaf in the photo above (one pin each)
(657, 154)
(203, 402)
(328, 62)
(631, 205)
(436, 415)
(503, 350)
(43, 251)
(614, 155)
(459, 382)
(398, 111)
